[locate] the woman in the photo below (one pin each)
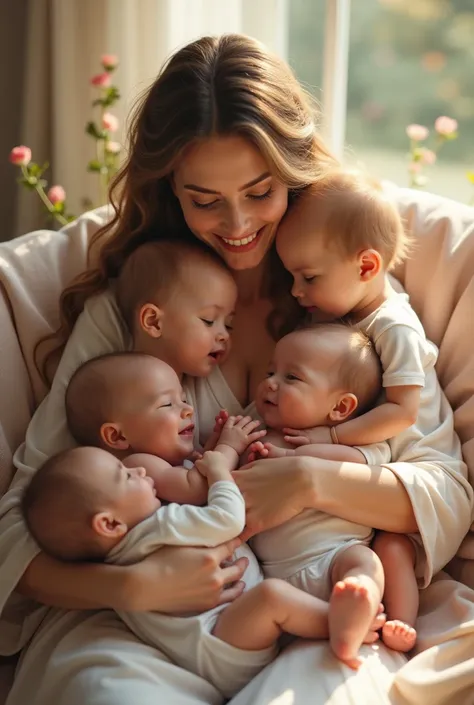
(223, 139)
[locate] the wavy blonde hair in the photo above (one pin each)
(214, 86)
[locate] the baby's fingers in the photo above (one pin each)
(252, 437)
(297, 440)
(251, 425)
(244, 421)
(292, 431)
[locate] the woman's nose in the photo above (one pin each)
(237, 224)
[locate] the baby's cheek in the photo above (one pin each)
(289, 408)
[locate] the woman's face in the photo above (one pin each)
(230, 200)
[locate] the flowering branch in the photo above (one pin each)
(445, 128)
(105, 163)
(107, 152)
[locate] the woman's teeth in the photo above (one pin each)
(239, 243)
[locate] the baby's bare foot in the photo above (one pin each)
(398, 635)
(379, 620)
(352, 609)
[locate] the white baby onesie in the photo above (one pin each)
(188, 639)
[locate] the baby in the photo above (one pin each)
(339, 241)
(177, 299)
(91, 503)
(323, 375)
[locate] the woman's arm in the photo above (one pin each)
(76, 586)
(278, 489)
(161, 582)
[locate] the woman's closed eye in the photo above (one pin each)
(310, 278)
(196, 204)
(261, 196)
(252, 196)
(207, 322)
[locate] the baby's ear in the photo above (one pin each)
(112, 436)
(344, 408)
(150, 320)
(370, 264)
(105, 524)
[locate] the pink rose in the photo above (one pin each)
(21, 155)
(110, 122)
(428, 156)
(417, 133)
(113, 147)
(109, 61)
(56, 194)
(445, 125)
(102, 80)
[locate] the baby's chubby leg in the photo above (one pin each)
(256, 619)
(401, 597)
(358, 583)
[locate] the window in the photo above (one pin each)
(410, 61)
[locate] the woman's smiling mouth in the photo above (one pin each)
(241, 244)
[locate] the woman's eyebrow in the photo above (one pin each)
(201, 189)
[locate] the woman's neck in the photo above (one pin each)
(250, 283)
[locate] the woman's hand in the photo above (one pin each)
(185, 579)
(275, 490)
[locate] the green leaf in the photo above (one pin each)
(94, 165)
(34, 169)
(70, 218)
(112, 94)
(470, 176)
(29, 183)
(93, 131)
(452, 136)
(98, 101)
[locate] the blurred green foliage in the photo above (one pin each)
(410, 61)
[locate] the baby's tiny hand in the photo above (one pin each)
(239, 432)
(261, 450)
(220, 420)
(256, 451)
(214, 466)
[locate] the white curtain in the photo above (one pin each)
(65, 41)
